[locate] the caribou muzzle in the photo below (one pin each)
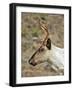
(31, 62)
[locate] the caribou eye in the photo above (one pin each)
(41, 49)
(48, 45)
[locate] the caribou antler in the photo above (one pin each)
(43, 27)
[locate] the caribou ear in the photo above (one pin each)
(48, 45)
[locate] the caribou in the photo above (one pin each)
(48, 52)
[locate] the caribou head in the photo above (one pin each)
(48, 52)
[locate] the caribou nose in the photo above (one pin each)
(31, 62)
